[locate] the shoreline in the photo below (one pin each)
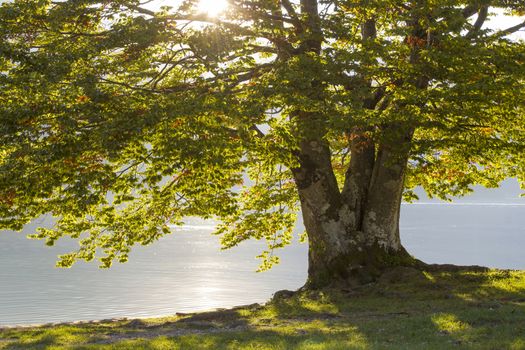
(430, 267)
(439, 307)
(119, 319)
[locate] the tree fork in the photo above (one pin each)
(353, 234)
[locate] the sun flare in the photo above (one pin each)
(212, 8)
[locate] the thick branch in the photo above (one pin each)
(362, 147)
(470, 11)
(509, 31)
(310, 9)
(293, 15)
(482, 17)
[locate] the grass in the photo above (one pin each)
(443, 308)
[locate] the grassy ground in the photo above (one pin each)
(406, 309)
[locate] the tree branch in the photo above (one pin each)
(482, 17)
(509, 30)
(293, 15)
(470, 11)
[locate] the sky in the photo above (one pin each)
(497, 20)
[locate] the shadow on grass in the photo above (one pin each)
(440, 308)
(437, 308)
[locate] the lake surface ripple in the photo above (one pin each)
(186, 271)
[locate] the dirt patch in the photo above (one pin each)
(164, 332)
(217, 321)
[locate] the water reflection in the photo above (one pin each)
(183, 272)
(186, 271)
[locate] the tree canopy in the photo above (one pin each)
(120, 118)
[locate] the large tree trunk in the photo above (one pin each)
(354, 233)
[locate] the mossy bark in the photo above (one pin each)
(353, 233)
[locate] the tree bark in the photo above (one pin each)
(354, 233)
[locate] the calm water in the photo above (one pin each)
(187, 272)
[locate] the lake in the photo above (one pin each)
(186, 271)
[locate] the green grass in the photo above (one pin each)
(439, 309)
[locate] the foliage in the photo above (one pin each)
(120, 119)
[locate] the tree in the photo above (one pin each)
(120, 118)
